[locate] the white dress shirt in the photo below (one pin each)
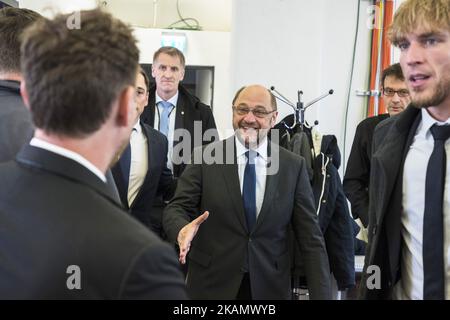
(36, 142)
(139, 162)
(158, 111)
(411, 283)
(261, 163)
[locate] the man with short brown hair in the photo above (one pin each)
(356, 180)
(172, 107)
(65, 236)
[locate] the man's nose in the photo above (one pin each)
(250, 117)
(414, 54)
(396, 98)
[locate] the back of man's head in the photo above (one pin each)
(12, 23)
(73, 76)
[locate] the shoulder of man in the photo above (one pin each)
(193, 100)
(153, 133)
(372, 121)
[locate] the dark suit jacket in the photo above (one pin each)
(55, 213)
(158, 182)
(391, 142)
(356, 179)
(188, 111)
(224, 249)
(16, 127)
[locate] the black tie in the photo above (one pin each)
(433, 225)
(125, 164)
(249, 189)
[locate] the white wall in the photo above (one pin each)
(203, 49)
(49, 8)
(307, 45)
(213, 15)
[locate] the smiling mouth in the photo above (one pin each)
(418, 80)
(249, 129)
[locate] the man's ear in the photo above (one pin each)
(127, 107)
(182, 74)
(273, 119)
(153, 70)
(24, 94)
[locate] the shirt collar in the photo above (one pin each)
(11, 85)
(172, 100)
(428, 121)
(137, 127)
(241, 149)
(36, 142)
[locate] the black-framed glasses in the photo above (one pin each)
(257, 112)
(391, 92)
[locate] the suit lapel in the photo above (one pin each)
(231, 177)
(394, 149)
(120, 184)
(393, 221)
(148, 115)
(391, 158)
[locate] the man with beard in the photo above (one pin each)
(409, 210)
(249, 191)
(356, 179)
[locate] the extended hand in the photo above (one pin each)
(187, 233)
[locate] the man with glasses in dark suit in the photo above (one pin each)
(356, 180)
(245, 191)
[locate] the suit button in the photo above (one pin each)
(324, 201)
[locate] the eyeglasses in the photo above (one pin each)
(391, 92)
(257, 112)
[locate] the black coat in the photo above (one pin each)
(189, 110)
(357, 174)
(55, 213)
(391, 142)
(335, 220)
(16, 127)
(337, 226)
(157, 182)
